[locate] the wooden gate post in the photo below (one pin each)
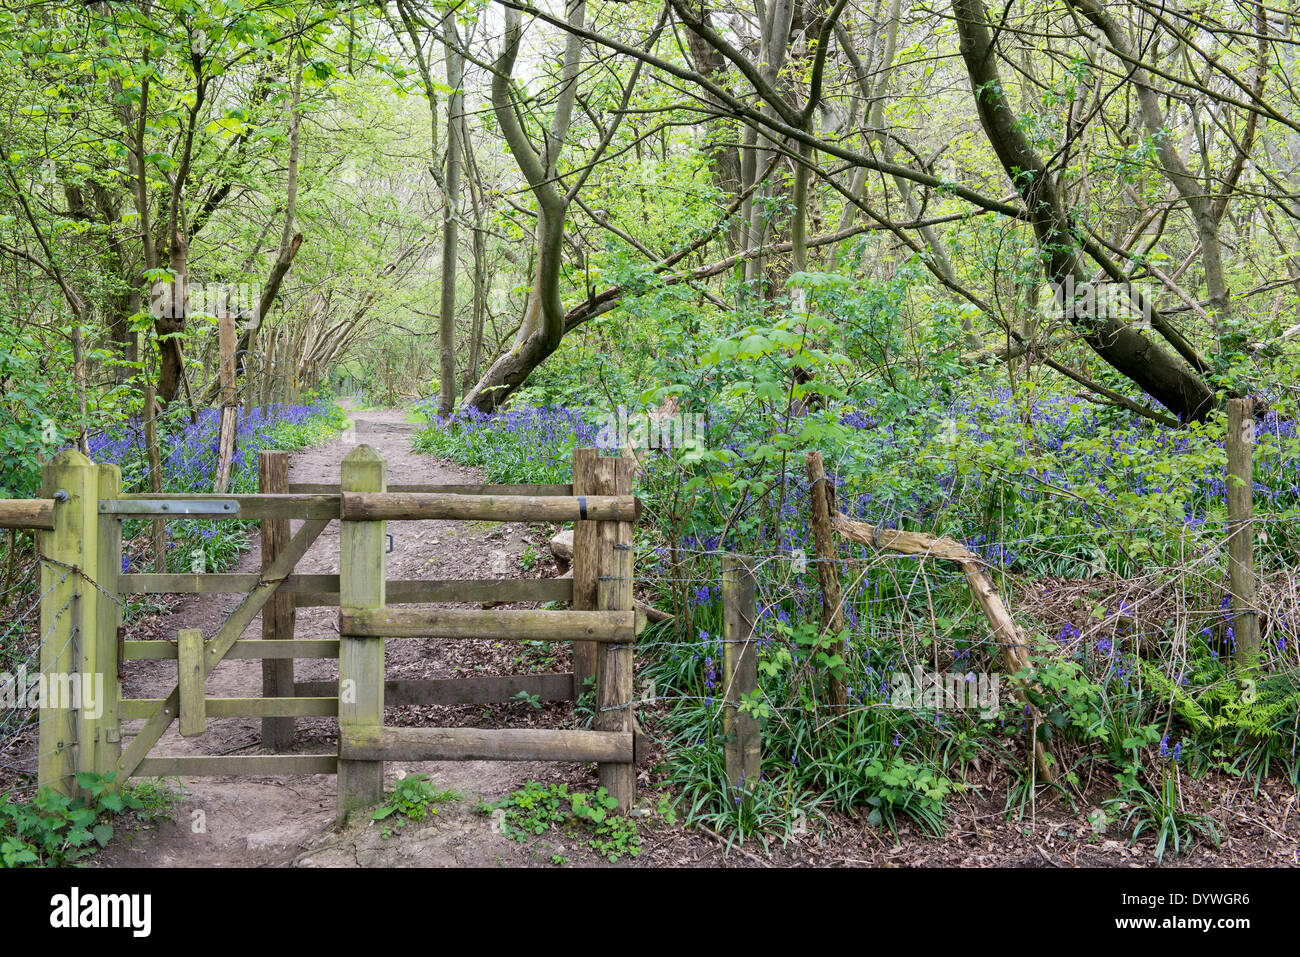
(1241, 532)
(586, 571)
(614, 661)
(362, 578)
(742, 747)
(68, 616)
(278, 613)
(108, 743)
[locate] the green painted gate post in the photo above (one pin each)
(362, 575)
(68, 618)
(108, 727)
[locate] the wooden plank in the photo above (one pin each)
(69, 606)
(471, 690)
(189, 652)
(278, 615)
(108, 734)
(362, 580)
(226, 447)
(27, 513)
(323, 590)
(305, 707)
(415, 592)
(491, 624)
(326, 488)
(250, 506)
(221, 643)
(483, 744)
(586, 558)
(615, 710)
(237, 764)
(298, 648)
(742, 745)
(410, 506)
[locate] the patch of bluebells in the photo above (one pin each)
(512, 445)
(189, 459)
(1176, 752)
(1087, 446)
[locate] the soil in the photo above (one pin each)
(289, 821)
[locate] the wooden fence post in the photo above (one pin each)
(108, 744)
(278, 613)
(68, 616)
(1241, 532)
(155, 480)
(614, 661)
(743, 754)
(362, 577)
(586, 571)
(828, 575)
(229, 399)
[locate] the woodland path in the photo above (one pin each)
(286, 821)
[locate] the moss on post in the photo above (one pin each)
(362, 576)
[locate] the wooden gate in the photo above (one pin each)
(82, 583)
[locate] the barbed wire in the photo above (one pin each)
(16, 719)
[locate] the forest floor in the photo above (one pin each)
(289, 821)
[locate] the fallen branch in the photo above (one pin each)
(1007, 635)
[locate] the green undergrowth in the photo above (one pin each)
(538, 809)
(415, 798)
(55, 830)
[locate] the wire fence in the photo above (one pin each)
(16, 717)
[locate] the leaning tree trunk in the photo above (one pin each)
(540, 339)
(1160, 374)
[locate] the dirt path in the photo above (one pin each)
(271, 821)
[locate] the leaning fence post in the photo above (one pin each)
(158, 525)
(361, 659)
(743, 754)
(828, 573)
(108, 744)
(614, 661)
(1241, 531)
(278, 613)
(68, 615)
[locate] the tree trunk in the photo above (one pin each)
(540, 340)
(450, 217)
(1160, 374)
